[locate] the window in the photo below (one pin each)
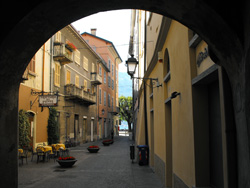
(68, 77)
(112, 84)
(100, 96)
(32, 65)
(100, 70)
(104, 98)
(85, 63)
(93, 67)
(112, 102)
(104, 77)
(109, 100)
(109, 81)
(109, 63)
(77, 56)
(58, 37)
(77, 80)
(57, 75)
(112, 70)
(85, 85)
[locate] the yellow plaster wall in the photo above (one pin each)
(182, 121)
(159, 113)
(140, 124)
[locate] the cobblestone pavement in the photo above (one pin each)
(111, 167)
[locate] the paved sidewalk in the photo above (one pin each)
(111, 167)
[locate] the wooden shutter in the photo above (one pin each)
(68, 77)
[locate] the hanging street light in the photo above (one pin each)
(131, 65)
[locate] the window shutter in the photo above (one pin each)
(85, 85)
(85, 63)
(77, 80)
(77, 57)
(68, 77)
(58, 37)
(93, 67)
(57, 74)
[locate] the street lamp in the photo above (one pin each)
(131, 65)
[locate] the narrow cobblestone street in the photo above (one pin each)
(111, 167)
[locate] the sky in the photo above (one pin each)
(111, 25)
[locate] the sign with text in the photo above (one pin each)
(48, 100)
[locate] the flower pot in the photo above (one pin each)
(93, 150)
(66, 163)
(107, 142)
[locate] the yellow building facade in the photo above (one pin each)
(36, 79)
(188, 118)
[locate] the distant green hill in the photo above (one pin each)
(125, 84)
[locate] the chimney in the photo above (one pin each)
(93, 31)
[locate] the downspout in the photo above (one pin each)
(43, 68)
(51, 57)
(131, 41)
(144, 85)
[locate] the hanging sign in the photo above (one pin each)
(48, 100)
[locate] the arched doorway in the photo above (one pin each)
(43, 19)
(32, 121)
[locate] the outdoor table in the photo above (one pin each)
(58, 146)
(45, 148)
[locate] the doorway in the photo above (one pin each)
(100, 128)
(32, 131)
(84, 129)
(92, 130)
(105, 129)
(215, 137)
(76, 128)
(169, 152)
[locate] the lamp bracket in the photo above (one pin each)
(140, 78)
(151, 79)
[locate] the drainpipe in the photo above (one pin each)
(51, 57)
(131, 42)
(43, 68)
(145, 70)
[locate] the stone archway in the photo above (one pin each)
(42, 19)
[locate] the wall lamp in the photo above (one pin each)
(131, 68)
(175, 94)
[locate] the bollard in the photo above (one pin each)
(132, 152)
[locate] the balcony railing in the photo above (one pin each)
(62, 54)
(114, 110)
(79, 95)
(96, 79)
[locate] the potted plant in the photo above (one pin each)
(70, 46)
(107, 142)
(66, 161)
(93, 149)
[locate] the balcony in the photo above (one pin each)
(114, 110)
(62, 54)
(96, 79)
(79, 95)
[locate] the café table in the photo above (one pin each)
(58, 146)
(45, 148)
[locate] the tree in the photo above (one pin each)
(126, 110)
(52, 128)
(24, 129)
